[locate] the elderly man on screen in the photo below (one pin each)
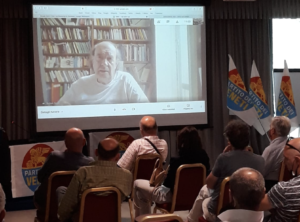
(107, 85)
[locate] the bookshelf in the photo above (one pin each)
(66, 43)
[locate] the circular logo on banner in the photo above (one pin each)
(33, 160)
(124, 140)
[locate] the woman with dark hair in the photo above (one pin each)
(190, 151)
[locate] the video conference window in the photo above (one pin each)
(92, 55)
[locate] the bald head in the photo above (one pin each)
(74, 140)
(108, 149)
(291, 155)
(247, 188)
(148, 126)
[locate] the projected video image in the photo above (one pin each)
(116, 61)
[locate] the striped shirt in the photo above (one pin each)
(285, 198)
(141, 147)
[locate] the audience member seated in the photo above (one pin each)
(247, 189)
(148, 129)
(284, 197)
(190, 151)
(71, 159)
(2, 204)
(237, 134)
(279, 129)
(102, 173)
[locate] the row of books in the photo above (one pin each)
(56, 90)
(134, 52)
(66, 48)
(66, 21)
(121, 34)
(64, 76)
(66, 62)
(111, 22)
(95, 22)
(59, 33)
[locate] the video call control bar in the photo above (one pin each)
(77, 111)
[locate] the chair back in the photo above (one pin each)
(224, 197)
(144, 166)
(100, 204)
(285, 174)
(159, 218)
(190, 178)
(57, 179)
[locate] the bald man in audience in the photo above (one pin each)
(145, 145)
(247, 189)
(284, 197)
(279, 129)
(102, 173)
(71, 159)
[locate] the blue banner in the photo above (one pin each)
(262, 109)
(285, 107)
(237, 98)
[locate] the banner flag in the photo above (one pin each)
(238, 99)
(286, 104)
(259, 100)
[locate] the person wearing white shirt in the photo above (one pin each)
(247, 189)
(107, 85)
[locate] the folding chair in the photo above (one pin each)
(159, 218)
(56, 179)
(143, 169)
(190, 178)
(100, 204)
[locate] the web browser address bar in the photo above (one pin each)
(173, 21)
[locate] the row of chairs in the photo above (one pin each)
(189, 180)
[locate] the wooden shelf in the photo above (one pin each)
(137, 62)
(122, 41)
(62, 54)
(65, 26)
(66, 40)
(84, 68)
(121, 27)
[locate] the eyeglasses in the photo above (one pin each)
(291, 146)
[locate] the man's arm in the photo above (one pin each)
(211, 181)
(70, 201)
(265, 204)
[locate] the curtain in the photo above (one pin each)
(245, 41)
(16, 79)
(259, 9)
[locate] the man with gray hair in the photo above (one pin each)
(107, 85)
(247, 189)
(279, 129)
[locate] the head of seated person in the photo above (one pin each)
(108, 150)
(247, 188)
(291, 155)
(104, 61)
(280, 127)
(74, 140)
(148, 126)
(188, 141)
(238, 135)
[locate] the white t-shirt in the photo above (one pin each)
(87, 90)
